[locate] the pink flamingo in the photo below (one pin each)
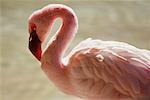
(94, 69)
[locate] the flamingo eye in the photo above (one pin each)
(32, 27)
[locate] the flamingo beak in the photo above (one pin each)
(35, 45)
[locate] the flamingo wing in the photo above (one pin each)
(111, 70)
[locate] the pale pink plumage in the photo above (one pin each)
(94, 69)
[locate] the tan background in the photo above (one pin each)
(21, 75)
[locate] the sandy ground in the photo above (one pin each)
(21, 75)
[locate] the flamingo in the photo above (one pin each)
(94, 69)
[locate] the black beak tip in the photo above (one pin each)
(35, 45)
(36, 53)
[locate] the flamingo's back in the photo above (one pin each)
(109, 70)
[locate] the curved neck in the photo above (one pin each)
(64, 35)
(51, 58)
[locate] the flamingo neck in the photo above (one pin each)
(64, 35)
(51, 59)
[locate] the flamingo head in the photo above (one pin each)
(38, 29)
(40, 23)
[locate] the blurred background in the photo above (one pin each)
(21, 77)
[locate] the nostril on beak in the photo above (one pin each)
(35, 45)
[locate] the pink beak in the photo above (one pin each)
(35, 45)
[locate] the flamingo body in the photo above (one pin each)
(109, 69)
(94, 69)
